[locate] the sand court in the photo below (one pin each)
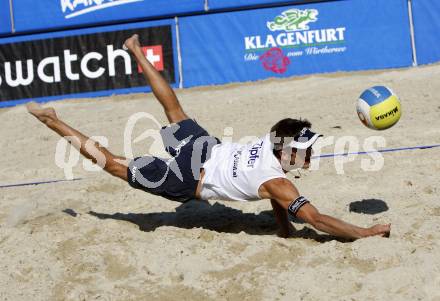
(98, 239)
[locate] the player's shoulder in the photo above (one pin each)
(277, 183)
(273, 187)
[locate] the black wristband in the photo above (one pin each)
(296, 205)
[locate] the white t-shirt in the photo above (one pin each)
(236, 171)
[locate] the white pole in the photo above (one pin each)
(179, 54)
(11, 12)
(411, 27)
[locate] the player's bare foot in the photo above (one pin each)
(45, 115)
(132, 43)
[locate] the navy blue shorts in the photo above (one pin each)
(174, 178)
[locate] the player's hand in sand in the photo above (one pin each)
(286, 232)
(382, 230)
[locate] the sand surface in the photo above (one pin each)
(98, 239)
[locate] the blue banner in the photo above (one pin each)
(426, 16)
(295, 40)
(84, 63)
(31, 15)
(228, 4)
(5, 18)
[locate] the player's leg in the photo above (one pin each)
(90, 149)
(161, 89)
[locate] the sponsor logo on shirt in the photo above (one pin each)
(254, 154)
(237, 156)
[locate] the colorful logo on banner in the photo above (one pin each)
(274, 60)
(154, 55)
(293, 20)
(74, 8)
(290, 35)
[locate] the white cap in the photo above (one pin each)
(304, 139)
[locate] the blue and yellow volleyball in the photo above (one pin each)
(379, 108)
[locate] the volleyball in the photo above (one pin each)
(378, 108)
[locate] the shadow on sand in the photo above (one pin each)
(216, 217)
(368, 206)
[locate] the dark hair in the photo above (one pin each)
(287, 128)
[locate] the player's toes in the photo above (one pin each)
(45, 115)
(33, 107)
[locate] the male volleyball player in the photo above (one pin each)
(202, 167)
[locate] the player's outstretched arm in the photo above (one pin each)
(336, 227)
(287, 196)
